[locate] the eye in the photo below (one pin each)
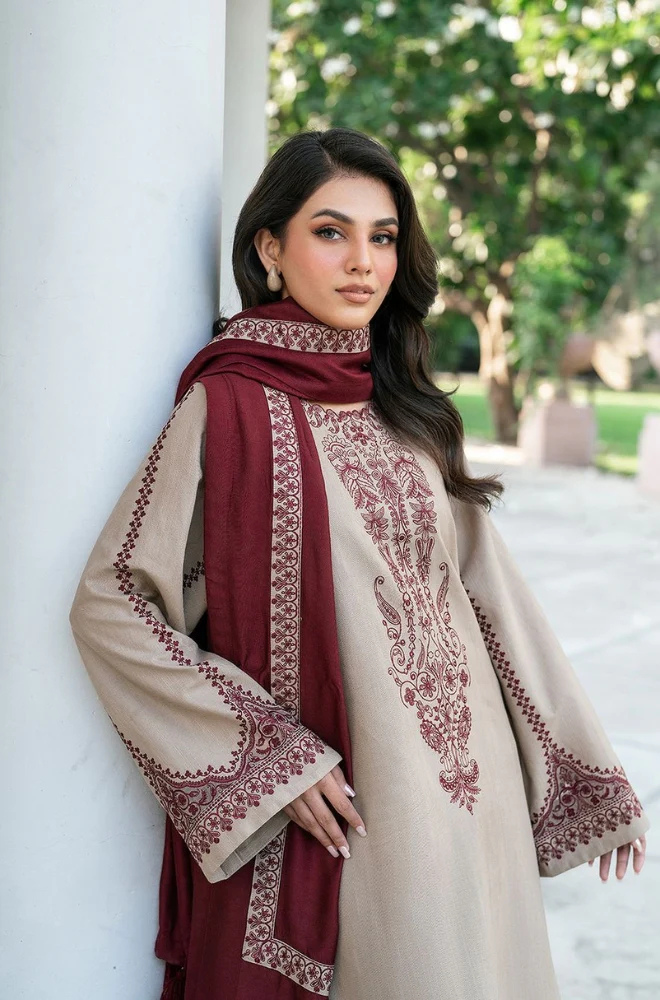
(389, 238)
(326, 229)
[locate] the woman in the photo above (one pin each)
(302, 590)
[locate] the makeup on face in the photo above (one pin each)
(340, 256)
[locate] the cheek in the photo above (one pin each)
(386, 267)
(316, 255)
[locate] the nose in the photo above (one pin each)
(359, 256)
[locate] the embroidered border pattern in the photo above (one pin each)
(286, 555)
(428, 661)
(298, 336)
(582, 802)
(260, 944)
(272, 746)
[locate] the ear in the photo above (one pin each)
(268, 248)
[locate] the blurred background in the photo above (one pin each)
(530, 135)
(129, 139)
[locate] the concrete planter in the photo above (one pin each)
(557, 432)
(648, 456)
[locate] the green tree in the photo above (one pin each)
(518, 119)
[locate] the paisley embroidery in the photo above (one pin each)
(428, 660)
(582, 803)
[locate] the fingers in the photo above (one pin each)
(341, 780)
(638, 847)
(311, 812)
(622, 856)
(605, 866)
(322, 824)
(327, 831)
(304, 819)
(338, 799)
(639, 854)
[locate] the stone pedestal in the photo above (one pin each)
(648, 454)
(557, 432)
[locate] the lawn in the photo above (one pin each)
(619, 414)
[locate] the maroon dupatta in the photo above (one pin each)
(270, 929)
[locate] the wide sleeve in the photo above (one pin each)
(580, 802)
(219, 753)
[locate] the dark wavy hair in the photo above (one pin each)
(405, 397)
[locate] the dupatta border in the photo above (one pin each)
(297, 336)
(260, 945)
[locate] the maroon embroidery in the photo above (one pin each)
(582, 802)
(193, 575)
(260, 944)
(298, 336)
(286, 554)
(429, 663)
(271, 748)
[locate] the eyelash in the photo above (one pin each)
(391, 238)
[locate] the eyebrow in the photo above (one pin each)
(389, 221)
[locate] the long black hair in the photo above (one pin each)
(405, 396)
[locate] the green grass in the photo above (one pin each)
(620, 416)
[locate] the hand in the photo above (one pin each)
(622, 855)
(311, 812)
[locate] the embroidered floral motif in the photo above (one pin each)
(272, 745)
(582, 802)
(298, 336)
(193, 575)
(428, 661)
(261, 946)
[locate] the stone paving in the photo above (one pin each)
(589, 546)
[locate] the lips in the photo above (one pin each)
(358, 294)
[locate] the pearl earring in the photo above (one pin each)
(274, 280)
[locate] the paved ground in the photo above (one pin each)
(589, 545)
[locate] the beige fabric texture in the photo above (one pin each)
(465, 715)
(170, 711)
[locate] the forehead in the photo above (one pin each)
(363, 198)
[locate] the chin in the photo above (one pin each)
(336, 312)
(351, 316)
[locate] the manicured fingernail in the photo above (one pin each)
(361, 830)
(333, 851)
(637, 844)
(349, 791)
(345, 851)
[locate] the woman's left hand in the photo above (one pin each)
(622, 855)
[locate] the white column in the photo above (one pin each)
(111, 133)
(246, 90)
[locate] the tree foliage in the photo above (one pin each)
(517, 121)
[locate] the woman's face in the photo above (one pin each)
(343, 236)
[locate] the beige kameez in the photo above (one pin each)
(478, 761)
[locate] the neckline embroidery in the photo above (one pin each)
(326, 414)
(298, 335)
